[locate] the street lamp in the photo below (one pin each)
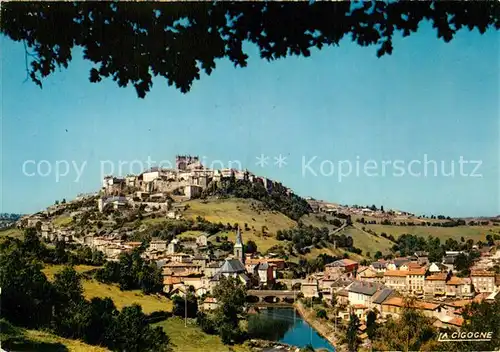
(294, 302)
(185, 305)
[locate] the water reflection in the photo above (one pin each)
(287, 326)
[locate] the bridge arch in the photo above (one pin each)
(252, 299)
(271, 299)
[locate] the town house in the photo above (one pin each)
(361, 293)
(394, 305)
(379, 266)
(416, 280)
(367, 274)
(158, 245)
(396, 279)
(483, 281)
(458, 287)
(345, 265)
(435, 285)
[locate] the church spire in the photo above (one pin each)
(238, 247)
(239, 240)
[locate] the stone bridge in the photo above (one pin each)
(272, 296)
(292, 284)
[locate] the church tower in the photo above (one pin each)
(238, 247)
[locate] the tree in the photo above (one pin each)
(72, 313)
(26, 292)
(334, 299)
(371, 325)
(489, 239)
(102, 314)
(321, 314)
(352, 333)
(31, 245)
(131, 332)
(68, 285)
(61, 255)
(462, 263)
(307, 348)
(378, 255)
(251, 247)
(230, 294)
(134, 42)
(412, 331)
(181, 305)
(484, 317)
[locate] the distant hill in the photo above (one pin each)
(260, 208)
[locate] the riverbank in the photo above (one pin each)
(322, 328)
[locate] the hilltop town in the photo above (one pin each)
(312, 256)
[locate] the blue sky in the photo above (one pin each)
(341, 104)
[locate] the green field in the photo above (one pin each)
(193, 339)
(19, 339)
(338, 252)
(190, 234)
(62, 221)
(12, 232)
(312, 219)
(93, 288)
(367, 242)
(50, 270)
(240, 211)
(468, 232)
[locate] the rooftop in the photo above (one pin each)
(482, 273)
(366, 288)
(455, 281)
(457, 321)
(379, 265)
(437, 277)
(210, 300)
(232, 266)
(396, 273)
(342, 263)
(399, 302)
(382, 295)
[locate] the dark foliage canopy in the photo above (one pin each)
(134, 42)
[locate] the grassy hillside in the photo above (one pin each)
(44, 341)
(50, 270)
(12, 232)
(93, 288)
(338, 252)
(62, 221)
(242, 211)
(18, 339)
(367, 242)
(313, 220)
(193, 339)
(468, 232)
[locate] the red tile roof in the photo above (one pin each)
(455, 281)
(437, 277)
(482, 273)
(398, 273)
(399, 302)
(457, 321)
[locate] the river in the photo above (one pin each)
(290, 328)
